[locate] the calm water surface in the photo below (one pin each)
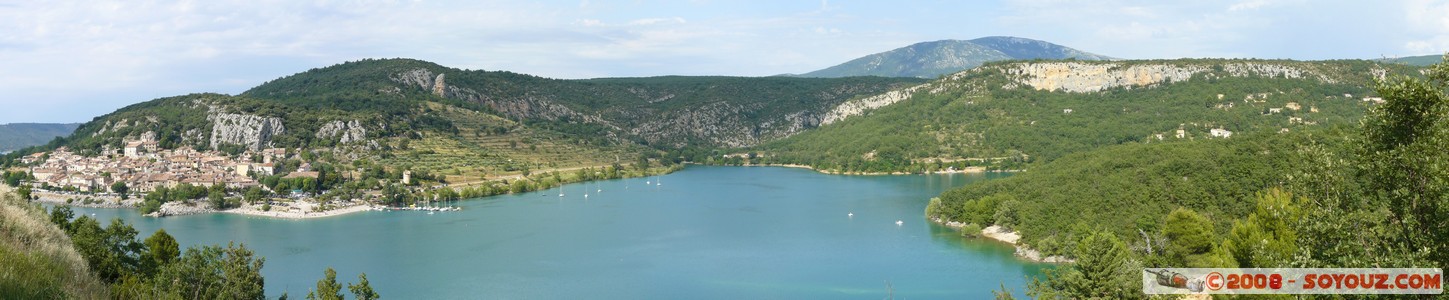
(706, 233)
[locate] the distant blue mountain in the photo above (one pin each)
(1422, 60)
(933, 59)
(14, 136)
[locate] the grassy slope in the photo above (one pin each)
(487, 145)
(37, 259)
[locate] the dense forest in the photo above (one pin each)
(1370, 195)
(984, 118)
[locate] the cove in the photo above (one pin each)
(704, 233)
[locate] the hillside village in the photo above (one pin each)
(143, 167)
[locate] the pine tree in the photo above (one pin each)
(327, 288)
(1104, 270)
(363, 290)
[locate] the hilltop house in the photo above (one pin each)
(1219, 132)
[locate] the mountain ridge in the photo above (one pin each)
(454, 122)
(1007, 114)
(14, 136)
(935, 58)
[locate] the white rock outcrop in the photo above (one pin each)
(860, 106)
(344, 132)
(251, 131)
(1080, 77)
(439, 85)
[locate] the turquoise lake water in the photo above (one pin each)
(705, 233)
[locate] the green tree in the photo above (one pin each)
(161, 248)
(61, 215)
(1002, 293)
(327, 287)
(1189, 236)
(120, 188)
(362, 290)
(207, 272)
(253, 194)
(217, 199)
(24, 192)
(1403, 160)
(112, 252)
(1007, 213)
(1267, 238)
(1104, 270)
(241, 272)
(13, 179)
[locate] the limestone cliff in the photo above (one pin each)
(251, 131)
(439, 85)
(1082, 77)
(343, 132)
(527, 107)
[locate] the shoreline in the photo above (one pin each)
(304, 211)
(254, 210)
(104, 201)
(293, 211)
(968, 170)
(999, 234)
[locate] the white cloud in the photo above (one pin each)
(1429, 21)
(657, 21)
(1247, 5)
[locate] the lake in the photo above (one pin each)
(705, 233)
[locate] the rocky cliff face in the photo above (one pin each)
(344, 132)
(860, 106)
(529, 107)
(1079, 77)
(718, 123)
(664, 112)
(439, 86)
(251, 131)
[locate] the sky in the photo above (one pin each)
(71, 61)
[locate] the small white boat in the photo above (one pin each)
(850, 214)
(898, 222)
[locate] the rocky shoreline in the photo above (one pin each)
(1012, 238)
(79, 200)
(302, 210)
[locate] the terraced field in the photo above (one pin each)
(490, 147)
